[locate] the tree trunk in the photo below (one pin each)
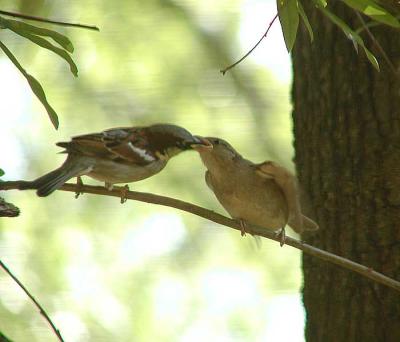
(347, 141)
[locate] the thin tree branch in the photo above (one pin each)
(223, 71)
(49, 21)
(41, 310)
(365, 271)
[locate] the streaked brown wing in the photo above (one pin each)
(120, 144)
(130, 144)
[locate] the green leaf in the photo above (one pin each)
(289, 18)
(35, 86)
(320, 3)
(354, 36)
(305, 20)
(2, 172)
(374, 11)
(47, 45)
(59, 38)
(371, 58)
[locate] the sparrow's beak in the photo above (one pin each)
(201, 144)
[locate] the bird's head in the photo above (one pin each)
(219, 152)
(170, 140)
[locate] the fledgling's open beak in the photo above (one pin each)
(201, 144)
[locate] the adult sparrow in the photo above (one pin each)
(117, 155)
(258, 194)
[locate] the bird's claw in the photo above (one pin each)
(243, 227)
(79, 185)
(282, 235)
(124, 191)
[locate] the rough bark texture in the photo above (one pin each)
(347, 140)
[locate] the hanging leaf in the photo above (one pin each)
(35, 86)
(374, 11)
(305, 20)
(320, 3)
(353, 35)
(289, 18)
(2, 173)
(59, 38)
(47, 45)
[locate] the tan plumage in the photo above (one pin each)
(247, 195)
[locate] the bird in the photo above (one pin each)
(116, 155)
(252, 193)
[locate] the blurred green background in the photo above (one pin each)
(139, 272)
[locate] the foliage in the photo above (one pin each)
(35, 34)
(290, 10)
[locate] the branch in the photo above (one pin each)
(41, 310)
(223, 71)
(49, 21)
(365, 271)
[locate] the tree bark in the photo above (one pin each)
(347, 140)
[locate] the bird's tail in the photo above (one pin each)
(302, 223)
(309, 224)
(53, 180)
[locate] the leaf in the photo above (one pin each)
(289, 18)
(59, 38)
(374, 11)
(320, 3)
(371, 58)
(35, 86)
(354, 36)
(47, 45)
(305, 20)
(2, 173)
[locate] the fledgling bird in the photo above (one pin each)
(116, 155)
(252, 193)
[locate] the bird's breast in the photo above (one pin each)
(114, 172)
(254, 199)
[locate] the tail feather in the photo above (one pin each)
(53, 180)
(309, 224)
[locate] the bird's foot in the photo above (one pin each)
(79, 185)
(124, 192)
(282, 235)
(243, 227)
(108, 186)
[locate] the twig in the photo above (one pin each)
(220, 219)
(376, 42)
(223, 71)
(41, 310)
(44, 20)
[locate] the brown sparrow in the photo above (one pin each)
(116, 155)
(264, 195)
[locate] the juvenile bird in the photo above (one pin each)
(251, 193)
(116, 155)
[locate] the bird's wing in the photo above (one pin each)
(288, 184)
(127, 145)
